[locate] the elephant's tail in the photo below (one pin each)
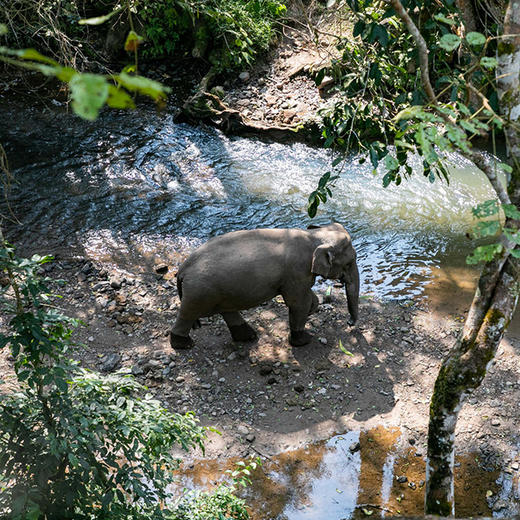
(196, 324)
(179, 286)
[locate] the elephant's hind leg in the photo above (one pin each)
(239, 328)
(180, 333)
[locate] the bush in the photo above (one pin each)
(74, 444)
(237, 29)
(232, 31)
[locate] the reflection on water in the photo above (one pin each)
(135, 186)
(338, 480)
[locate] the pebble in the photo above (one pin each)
(242, 429)
(244, 76)
(495, 422)
(116, 283)
(515, 466)
(354, 447)
(137, 370)
(298, 388)
(323, 341)
(265, 370)
(499, 505)
(402, 479)
(161, 269)
(250, 437)
(222, 380)
(205, 386)
(179, 379)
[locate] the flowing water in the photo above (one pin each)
(134, 187)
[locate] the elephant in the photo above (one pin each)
(243, 269)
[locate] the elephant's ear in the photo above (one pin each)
(322, 260)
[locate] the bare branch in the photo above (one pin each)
(421, 47)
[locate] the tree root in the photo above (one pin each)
(209, 108)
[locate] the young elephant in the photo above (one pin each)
(243, 269)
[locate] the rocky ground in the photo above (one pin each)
(266, 397)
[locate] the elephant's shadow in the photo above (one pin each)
(339, 373)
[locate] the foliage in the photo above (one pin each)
(74, 444)
(50, 25)
(208, 506)
(384, 111)
(89, 92)
(236, 29)
(495, 220)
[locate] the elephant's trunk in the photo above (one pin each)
(352, 292)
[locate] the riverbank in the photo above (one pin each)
(267, 397)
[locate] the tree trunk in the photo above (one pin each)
(493, 305)
(462, 371)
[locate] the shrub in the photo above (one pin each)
(74, 444)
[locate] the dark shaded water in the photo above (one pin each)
(135, 186)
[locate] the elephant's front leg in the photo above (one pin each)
(240, 330)
(300, 306)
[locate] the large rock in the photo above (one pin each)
(111, 362)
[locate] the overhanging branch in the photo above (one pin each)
(476, 157)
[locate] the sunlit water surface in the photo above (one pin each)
(137, 186)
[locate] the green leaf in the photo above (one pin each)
(486, 208)
(408, 113)
(511, 211)
(312, 208)
(391, 163)
(444, 19)
(475, 38)
(98, 20)
(3, 29)
(513, 235)
(449, 42)
(34, 55)
(487, 228)
(484, 253)
(323, 180)
(119, 98)
(515, 253)
(488, 63)
(132, 42)
(145, 86)
(359, 27)
(343, 349)
(89, 93)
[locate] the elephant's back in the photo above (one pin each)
(253, 254)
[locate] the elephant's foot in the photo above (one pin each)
(298, 338)
(243, 332)
(180, 342)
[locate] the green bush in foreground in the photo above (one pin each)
(74, 444)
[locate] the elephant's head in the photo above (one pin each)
(335, 258)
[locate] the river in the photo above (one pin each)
(136, 186)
